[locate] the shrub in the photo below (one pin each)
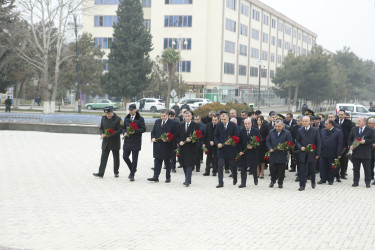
(205, 109)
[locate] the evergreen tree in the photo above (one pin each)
(129, 63)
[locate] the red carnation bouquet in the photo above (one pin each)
(336, 163)
(109, 132)
(284, 146)
(131, 129)
(205, 150)
(254, 143)
(166, 137)
(195, 136)
(267, 156)
(177, 150)
(355, 144)
(310, 148)
(232, 140)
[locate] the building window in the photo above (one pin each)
(309, 40)
(104, 21)
(105, 63)
(185, 66)
(230, 47)
(279, 43)
(243, 50)
(294, 33)
(273, 40)
(231, 4)
(178, 1)
(255, 34)
(242, 70)
(147, 24)
(230, 25)
(146, 3)
(254, 53)
(294, 48)
(273, 23)
(272, 73)
(264, 55)
(254, 71)
(272, 57)
(279, 59)
(299, 50)
(107, 2)
(256, 15)
(304, 52)
(288, 30)
(244, 9)
(280, 26)
(103, 42)
(244, 30)
(264, 73)
(265, 37)
(266, 19)
(178, 21)
(287, 45)
(299, 35)
(229, 68)
(168, 43)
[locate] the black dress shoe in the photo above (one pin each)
(344, 177)
(241, 186)
(330, 183)
(256, 182)
(116, 175)
(179, 167)
(338, 179)
(355, 185)
(97, 175)
(220, 186)
(198, 170)
(227, 171)
(152, 168)
(368, 185)
(214, 174)
(292, 170)
(313, 185)
(280, 186)
(301, 189)
(153, 179)
(234, 181)
(231, 175)
(297, 179)
(168, 180)
(173, 170)
(373, 183)
(206, 173)
(186, 184)
(321, 182)
(271, 184)
(131, 178)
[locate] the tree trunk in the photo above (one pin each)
(45, 89)
(170, 72)
(289, 96)
(296, 93)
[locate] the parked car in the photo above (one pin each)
(194, 103)
(355, 110)
(101, 103)
(152, 104)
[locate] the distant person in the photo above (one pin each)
(38, 100)
(176, 109)
(8, 103)
(185, 106)
(304, 107)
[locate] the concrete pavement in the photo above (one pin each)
(50, 200)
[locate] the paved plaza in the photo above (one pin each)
(50, 200)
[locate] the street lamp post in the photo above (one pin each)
(179, 47)
(78, 94)
(260, 65)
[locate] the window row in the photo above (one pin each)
(147, 24)
(178, 21)
(104, 42)
(146, 3)
(107, 2)
(104, 21)
(231, 4)
(229, 69)
(184, 66)
(230, 25)
(183, 44)
(178, 1)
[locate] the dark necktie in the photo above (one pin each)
(248, 132)
(163, 123)
(187, 126)
(132, 119)
(360, 132)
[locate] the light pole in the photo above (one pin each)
(78, 94)
(260, 65)
(179, 47)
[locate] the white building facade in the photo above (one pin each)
(222, 42)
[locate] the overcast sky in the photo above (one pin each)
(337, 23)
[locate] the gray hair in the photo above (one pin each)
(279, 121)
(211, 112)
(300, 117)
(371, 120)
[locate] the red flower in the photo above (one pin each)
(134, 125)
(359, 139)
(198, 133)
(111, 131)
(257, 138)
(235, 159)
(290, 143)
(313, 146)
(207, 151)
(333, 166)
(170, 136)
(267, 158)
(236, 139)
(178, 155)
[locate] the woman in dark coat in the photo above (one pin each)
(264, 131)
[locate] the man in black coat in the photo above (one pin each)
(176, 109)
(8, 103)
(224, 130)
(171, 116)
(305, 136)
(331, 149)
(272, 117)
(371, 124)
(289, 120)
(199, 155)
(249, 158)
(162, 150)
(188, 148)
(293, 132)
(208, 119)
(133, 142)
(233, 114)
(209, 143)
(110, 142)
(185, 106)
(278, 158)
(361, 154)
(346, 127)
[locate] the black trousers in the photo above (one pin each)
(366, 167)
(173, 161)
(104, 159)
(158, 163)
(244, 173)
(211, 160)
(188, 173)
(372, 167)
(327, 173)
(198, 159)
(277, 172)
(341, 171)
(132, 165)
(7, 108)
(305, 169)
(232, 165)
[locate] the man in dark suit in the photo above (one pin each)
(289, 120)
(305, 136)
(172, 116)
(278, 158)
(208, 118)
(361, 154)
(346, 127)
(233, 114)
(188, 149)
(162, 150)
(293, 132)
(209, 143)
(133, 142)
(199, 155)
(225, 129)
(371, 124)
(250, 157)
(332, 144)
(110, 142)
(272, 118)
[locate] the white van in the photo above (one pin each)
(355, 110)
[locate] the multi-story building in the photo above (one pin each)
(222, 42)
